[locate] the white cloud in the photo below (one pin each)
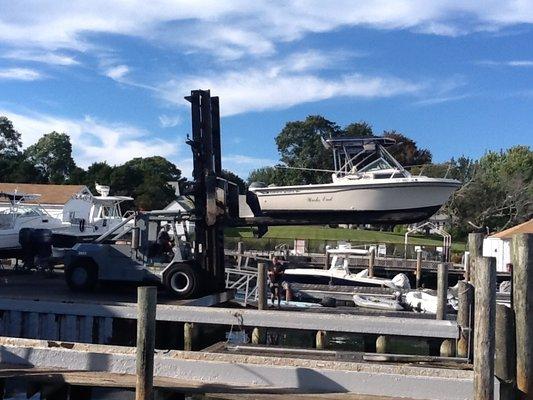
(42, 57)
(442, 99)
(117, 72)
(169, 121)
(258, 89)
(20, 74)
(233, 29)
(93, 140)
(511, 63)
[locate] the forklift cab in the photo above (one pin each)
(161, 239)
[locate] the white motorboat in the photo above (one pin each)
(19, 215)
(377, 302)
(368, 186)
(339, 273)
(89, 217)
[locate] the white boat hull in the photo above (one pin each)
(390, 201)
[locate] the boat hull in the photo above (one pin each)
(404, 216)
(389, 202)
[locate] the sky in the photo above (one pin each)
(455, 76)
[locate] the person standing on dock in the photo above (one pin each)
(275, 277)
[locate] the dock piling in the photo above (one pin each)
(475, 248)
(442, 291)
(146, 306)
(484, 338)
(261, 286)
(465, 319)
(418, 268)
(190, 333)
(321, 340)
(371, 261)
(522, 256)
(505, 356)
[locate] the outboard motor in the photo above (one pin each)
(25, 240)
(42, 245)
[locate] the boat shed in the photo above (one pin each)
(53, 198)
(498, 245)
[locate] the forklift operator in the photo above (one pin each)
(164, 241)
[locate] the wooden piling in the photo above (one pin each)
(327, 260)
(240, 253)
(258, 335)
(485, 315)
(467, 266)
(190, 333)
(475, 247)
(371, 261)
(418, 268)
(146, 310)
(261, 286)
(321, 340)
(522, 256)
(505, 353)
(442, 290)
(465, 319)
(382, 344)
(447, 348)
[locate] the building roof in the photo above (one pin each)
(526, 227)
(50, 194)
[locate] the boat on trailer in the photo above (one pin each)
(24, 211)
(369, 186)
(94, 216)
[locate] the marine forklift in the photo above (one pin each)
(195, 265)
(142, 258)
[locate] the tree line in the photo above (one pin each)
(497, 189)
(50, 160)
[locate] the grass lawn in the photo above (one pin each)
(326, 233)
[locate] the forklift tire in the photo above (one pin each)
(82, 275)
(182, 281)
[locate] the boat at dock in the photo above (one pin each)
(368, 186)
(339, 273)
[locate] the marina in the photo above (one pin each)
(130, 307)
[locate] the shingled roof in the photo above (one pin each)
(526, 227)
(50, 194)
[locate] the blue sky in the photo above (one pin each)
(456, 76)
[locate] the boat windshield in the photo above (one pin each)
(8, 216)
(358, 158)
(107, 211)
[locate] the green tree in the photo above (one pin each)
(19, 170)
(52, 156)
(146, 179)
(498, 194)
(406, 150)
(10, 143)
(98, 172)
(358, 129)
(300, 146)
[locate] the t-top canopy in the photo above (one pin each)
(357, 142)
(19, 196)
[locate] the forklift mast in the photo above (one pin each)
(215, 199)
